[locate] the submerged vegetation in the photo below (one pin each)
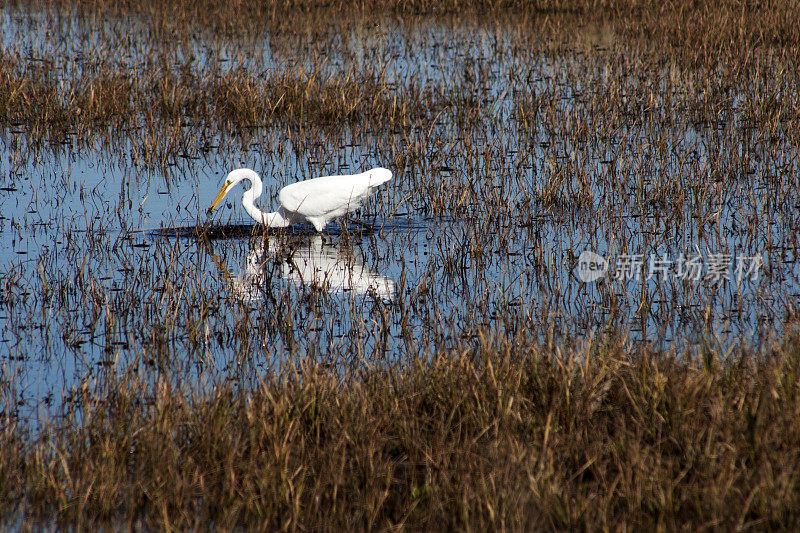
(448, 369)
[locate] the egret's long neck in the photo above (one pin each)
(276, 219)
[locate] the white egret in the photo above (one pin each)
(317, 200)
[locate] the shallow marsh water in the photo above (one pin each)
(521, 158)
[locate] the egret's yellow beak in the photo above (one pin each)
(220, 195)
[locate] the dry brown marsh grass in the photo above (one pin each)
(46, 107)
(500, 436)
(711, 53)
(727, 31)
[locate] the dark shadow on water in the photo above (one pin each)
(237, 230)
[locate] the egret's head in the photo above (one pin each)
(231, 181)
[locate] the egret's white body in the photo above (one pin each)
(317, 200)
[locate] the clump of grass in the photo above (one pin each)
(501, 435)
(45, 105)
(299, 97)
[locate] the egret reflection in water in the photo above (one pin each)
(310, 262)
